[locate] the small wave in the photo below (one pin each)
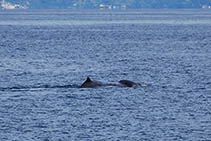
(26, 88)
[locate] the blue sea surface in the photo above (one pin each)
(46, 54)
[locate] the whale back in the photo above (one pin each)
(127, 83)
(88, 83)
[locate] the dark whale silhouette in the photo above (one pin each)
(122, 83)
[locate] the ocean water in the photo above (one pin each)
(46, 54)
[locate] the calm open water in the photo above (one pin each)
(46, 54)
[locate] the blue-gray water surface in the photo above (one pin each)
(46, 54)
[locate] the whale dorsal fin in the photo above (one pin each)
(88, 79)
(87, 83)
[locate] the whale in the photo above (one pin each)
(88, 83)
